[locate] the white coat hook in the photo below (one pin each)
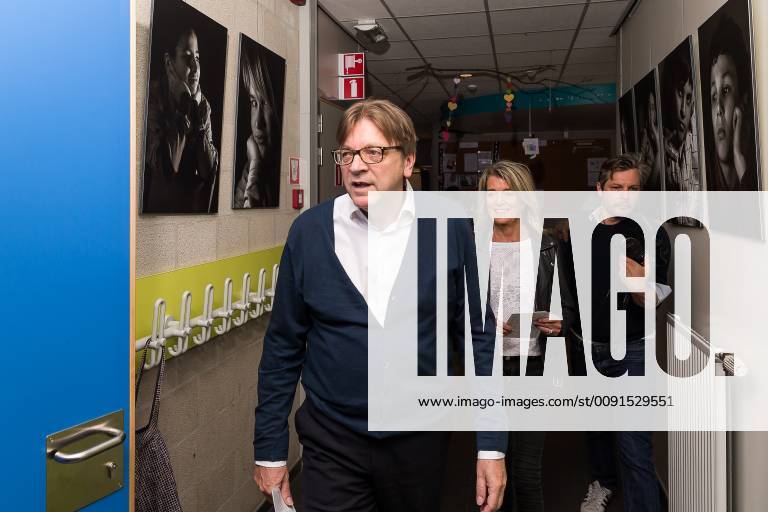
(257, 298)
(243, 305)
(225, 312)
(156, 340)
(205, 320)
(180, 328)
(270, 294)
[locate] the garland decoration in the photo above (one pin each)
(453, 104)
(509, 98)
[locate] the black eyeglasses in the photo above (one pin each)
(369, 155)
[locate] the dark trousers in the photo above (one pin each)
(634, 450)
(345, 471)
(524, 492)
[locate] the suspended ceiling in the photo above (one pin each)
(541, 43)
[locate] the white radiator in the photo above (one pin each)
(699, 461)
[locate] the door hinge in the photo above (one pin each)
(320, 123)
(320, 156)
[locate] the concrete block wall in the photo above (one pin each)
(208, 400)
(168, 242)
(207, 417)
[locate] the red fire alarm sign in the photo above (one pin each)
(351, 64)
(351, 88)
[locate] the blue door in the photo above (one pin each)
(65, 242)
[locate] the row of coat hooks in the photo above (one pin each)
(211, 322)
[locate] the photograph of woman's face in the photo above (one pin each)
(186, 61)
(258, 138)
(725, 96)
(262, 115)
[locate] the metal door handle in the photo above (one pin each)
(116, 435)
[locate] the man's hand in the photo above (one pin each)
(491, 481)
(269, 478)
(634, 269)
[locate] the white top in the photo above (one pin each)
(352, 239)
(513, 278)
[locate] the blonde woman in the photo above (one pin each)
(521, 282)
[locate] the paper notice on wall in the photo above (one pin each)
(449, 162)
(593, 170)
(484, 159)
(531, 147)
(470, 162)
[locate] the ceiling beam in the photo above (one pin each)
(573, 41)
(493, 42)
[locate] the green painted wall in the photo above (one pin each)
(170, 285)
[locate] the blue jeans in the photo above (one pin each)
(642, 492)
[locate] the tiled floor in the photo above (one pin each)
(566, 474)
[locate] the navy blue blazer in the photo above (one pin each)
(319, 329)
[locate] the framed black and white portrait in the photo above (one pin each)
(677, 90)
(728, 99)
(185, 101)
(627, 123)
(259, 136)
(649, 137)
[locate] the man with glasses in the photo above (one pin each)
(319, 330)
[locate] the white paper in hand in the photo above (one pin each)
(279, 503)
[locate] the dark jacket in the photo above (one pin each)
(318, 329)
(553, 251)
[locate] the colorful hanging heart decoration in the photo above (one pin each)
(509, 98)
(453, 104)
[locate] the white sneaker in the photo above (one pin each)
(597, 498)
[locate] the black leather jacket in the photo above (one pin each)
(553, 251)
